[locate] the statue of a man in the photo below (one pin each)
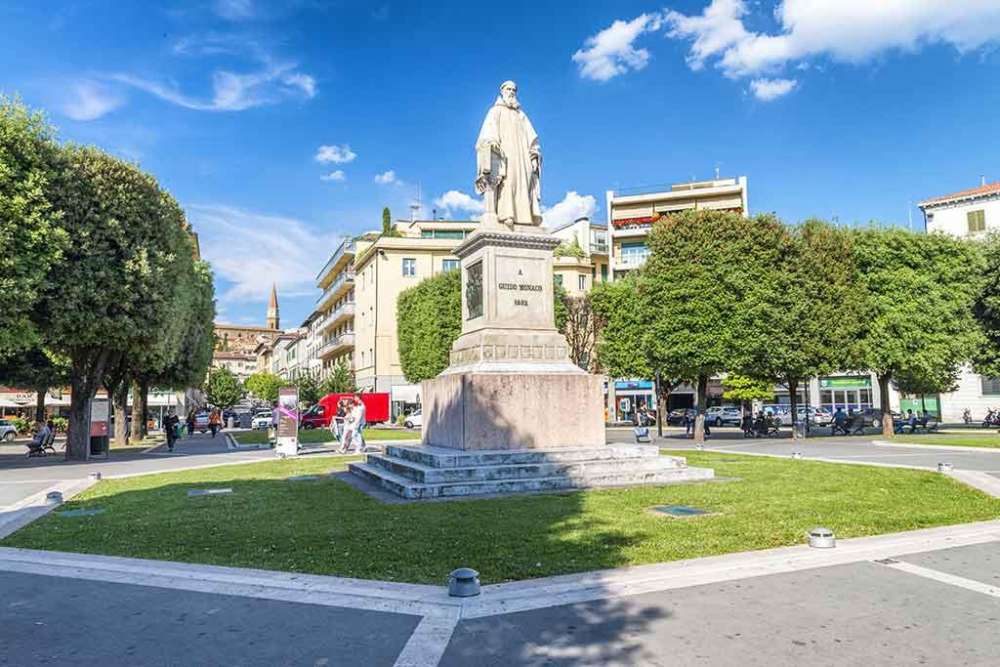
(509, 162)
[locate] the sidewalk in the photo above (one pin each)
(924, 596)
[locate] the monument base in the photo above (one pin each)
(513, 410)
(432, 472)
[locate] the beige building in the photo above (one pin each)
(236, 347)
(384, 268)
(582, 259)
(631, 214)
(333, 324)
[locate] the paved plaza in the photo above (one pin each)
(930, 596)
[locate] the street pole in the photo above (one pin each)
(659, 405)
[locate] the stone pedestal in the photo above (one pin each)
(511, 384)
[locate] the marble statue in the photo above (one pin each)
(509, 163)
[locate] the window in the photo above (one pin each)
(450, 264)
(634, 253)
(409, 266)
(977, 221)
(991, 386)
(581, 282)
(604, 273)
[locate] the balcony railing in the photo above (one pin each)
(347, 247)
(333, 291)
(336, 343)
(598, 248)
(632, 261)
(340, 313)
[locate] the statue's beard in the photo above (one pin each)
(512, 103)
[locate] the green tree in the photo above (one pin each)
(815, 316)
(743, 389)
(387, 229)
(569, 248)
(986, 310)
(706, 293)
(223, 388)
(340, 381)
(309, 388)
(264, 386)
(35, 368)
(428, 320)
(621, 323)
(115, 291)
(31, 240)
(918, 296)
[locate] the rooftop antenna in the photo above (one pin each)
(415, 206)
(717, 166)
(982, 180)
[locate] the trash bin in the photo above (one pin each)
(231, 423)
(99, 445)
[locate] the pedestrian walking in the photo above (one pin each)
(170, 425)
(839, 422)
(688, 424)
(359, 423)
(190, 422)
(215, 421)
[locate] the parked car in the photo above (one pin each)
(717, 415)
(261, 420)
(676, 416)
(7, 430)
(414, 420)
(817, 416)
(201, 421)
(873, 416)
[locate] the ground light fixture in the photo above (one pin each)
(96, 476)
(53, 497)
(945, 467)
(822, 538)
(463, 583)
(796, 455)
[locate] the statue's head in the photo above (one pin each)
(508, 93)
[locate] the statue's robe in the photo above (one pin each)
(519, 196)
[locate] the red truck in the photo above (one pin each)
(319, 415)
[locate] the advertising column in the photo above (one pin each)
(288, 422)
(100, 414)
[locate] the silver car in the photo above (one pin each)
(718, 415)
(7, 431)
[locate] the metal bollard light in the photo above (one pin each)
(945, 467)
(463, 583)
(796, 455)
(822, 538)
(53, 497)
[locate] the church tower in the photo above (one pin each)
(272, 309)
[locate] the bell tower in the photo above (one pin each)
(273, 320)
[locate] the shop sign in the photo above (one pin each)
(633, 384)
(288, 421)
(855, 382)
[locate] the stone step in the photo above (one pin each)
(425, 474)
(440, 457)
(408, 488)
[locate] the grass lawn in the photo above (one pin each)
(984, 439)
(327, 527)
(318, 435)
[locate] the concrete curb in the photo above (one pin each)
(20, 514)
(947, 448)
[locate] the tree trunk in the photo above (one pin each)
(701, 396)
(120, 399)
(40, 403)
(793, 395)
(883, 389)
(88, 368)
(140, 409)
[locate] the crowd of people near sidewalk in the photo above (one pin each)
(348, 425)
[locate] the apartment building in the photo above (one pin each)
(383, 269)
(632, 212)
(333, 324)
(582, 259)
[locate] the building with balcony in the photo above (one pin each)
(383, 268)
(632, 212)
(333, 319)
(582, 259)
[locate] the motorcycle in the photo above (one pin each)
(992, 419)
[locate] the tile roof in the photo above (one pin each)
(987, 189)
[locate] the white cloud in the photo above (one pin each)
(610, 52)
(274, 83)
(250, 250)
(455, 200)
(89, 100)
(771, 89)
(336, 154)
(234, 10)
(386, 178)
(572, 207)
(337, 175)
(852, 31)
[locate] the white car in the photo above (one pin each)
(7, 431)
(414, 420)
(718, 415)
(261, 421)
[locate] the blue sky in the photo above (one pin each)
(282, 125)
